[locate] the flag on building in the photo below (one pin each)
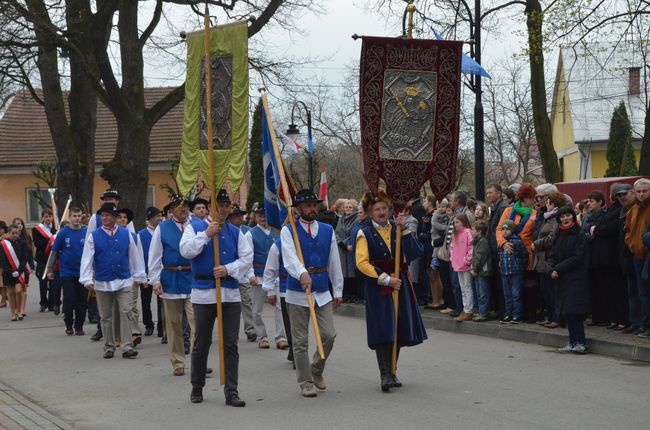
(323, 187)
(229, 72)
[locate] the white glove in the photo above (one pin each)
(15, 274)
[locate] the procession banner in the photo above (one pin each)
(410, 108)
(229, 71)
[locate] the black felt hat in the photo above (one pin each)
(110, 193)
(199, 201)
(177, 200)
(236, 210)
(260, 210)
(222, 196)
(152, 212)
(306, 196)
(126, 211)
(108, 208)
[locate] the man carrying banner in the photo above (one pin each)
(322, 264)
(41, 235)
(261, 237)
(375, 259)
(236, 258)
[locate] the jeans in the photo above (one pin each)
(75, 303)
(457, 292)
(483, 292)
(576, 328)
(512, 288)
(644, 294)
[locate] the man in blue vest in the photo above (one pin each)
(111, 266)
(321, 266)
(261, 238)
(154, 217)
(199, 209)
(235, 258)
(171, 276)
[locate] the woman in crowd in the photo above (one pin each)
(508, 195)
(13, 257)
(568, 267)
(343, 228)
(26, 239)
(481, 213)
(362, 221)
(541, 247)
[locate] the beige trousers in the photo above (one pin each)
(174, 327)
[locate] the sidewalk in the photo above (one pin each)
(599, 339)
(18, 413)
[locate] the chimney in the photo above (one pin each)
(635, 81)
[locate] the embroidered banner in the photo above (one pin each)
(410, 108)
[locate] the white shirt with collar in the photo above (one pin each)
(87, 269)
(249, 238)
(271, 279)
(192, 244)
(155, 260)
(92, 225)
(295, 268)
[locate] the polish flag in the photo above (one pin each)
(292, 144)
(323, 187)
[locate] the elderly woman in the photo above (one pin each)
(523, 215)
(343, 228)
(376, 243)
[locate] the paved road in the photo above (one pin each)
(452, 381)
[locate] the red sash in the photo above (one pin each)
(388, 266)
(43, 230)
(13, 259)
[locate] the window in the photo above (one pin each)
(34, 204)
(151, 196)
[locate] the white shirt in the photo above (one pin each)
(249, 238)
(92, 225)
(87, 269)
(192, 245)
(272, 272)
(155, 261)
(295, 268)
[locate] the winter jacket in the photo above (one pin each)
(496, 211)
(526, 235)
(515, 263)
(605, 238)
(461, 250)
(544, 241)
(439, 224)
(7, 271)
(569, 258)
(636, 221)
(343, 230)
(481, 257)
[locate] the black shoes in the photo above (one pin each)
(235, 402)
(148, 331)
(57, 310)
(97, 336)
(197, 395)
(109, 354)
(131, 353)
(164, 340)
(386, 382)
(396, 382)
(42, 309)
(187, 348)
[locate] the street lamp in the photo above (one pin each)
(293, 130)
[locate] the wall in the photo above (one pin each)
(571, 167)
(599, 162)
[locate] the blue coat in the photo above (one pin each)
(380, 311)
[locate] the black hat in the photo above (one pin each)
(260, 210)
(165, 209)
(223, 197)
(199, 201)
(111, 193)
(3, 225)
(306, 196)
(152, 212)
(127, 212)
(236, 210)
(108, 207)
(177, 200)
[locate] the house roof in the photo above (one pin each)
(25, 136)
(597, 77)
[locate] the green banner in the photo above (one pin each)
(229, 71)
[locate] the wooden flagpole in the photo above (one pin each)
(213, 191)
(398, 237)
(292, 221)
(58, 227)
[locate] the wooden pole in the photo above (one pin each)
(213, 191)
(58, 228)
(292, 221)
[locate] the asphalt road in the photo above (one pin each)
(452, 381)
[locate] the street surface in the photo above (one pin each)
(452, 381)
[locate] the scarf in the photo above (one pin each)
(521, 210)
(550, 214)
(568, 227)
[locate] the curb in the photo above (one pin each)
(18, 412)
(631, 351)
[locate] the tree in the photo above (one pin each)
(256, 184)
(620, 153)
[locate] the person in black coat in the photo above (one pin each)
(568, 266)
(600, 264)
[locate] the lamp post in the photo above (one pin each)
(479, 137)
(293, 130)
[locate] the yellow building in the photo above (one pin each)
(590, 82)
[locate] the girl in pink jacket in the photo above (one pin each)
(461, 262)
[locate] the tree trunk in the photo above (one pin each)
(644, 163)
(543, 134)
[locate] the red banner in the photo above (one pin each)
(410, 109)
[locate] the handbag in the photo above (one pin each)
(444, 253)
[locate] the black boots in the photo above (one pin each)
(197, 395)
(383, 360)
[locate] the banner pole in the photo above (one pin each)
(213, 191)
(292, 221)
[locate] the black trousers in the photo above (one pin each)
(287, 322)
(75, 303)
(160, 324)
(204, 319)
(55, 291)
(93, 312)
(43, 286)
(602, 284)
(145, 299)
(447, 287)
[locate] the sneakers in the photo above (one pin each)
(515, 321)
(131, 353)
(479, 319)
(97, 336)
(109, 353)
(579, 348)
(644, 334)
(446, 311)
(309, 391)
(506, 319)
(319, 382)
(566, 348)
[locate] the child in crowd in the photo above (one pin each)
(513, 258)
(14, 261)
(568, 266)
(481, 269)
(461, 262)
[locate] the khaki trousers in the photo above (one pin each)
(299, 317)
(174, 327)
(105, 302)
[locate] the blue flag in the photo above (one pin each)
(468, 65)
(310, 144)
(276, 210)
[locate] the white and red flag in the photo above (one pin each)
(323, 187)
(292, 144)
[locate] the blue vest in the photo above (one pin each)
(145, 237)
(203, 264)
(245, 228)
(173, 281)
(261, 244)
(316, 252)
(111, 255)
(282, 273)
